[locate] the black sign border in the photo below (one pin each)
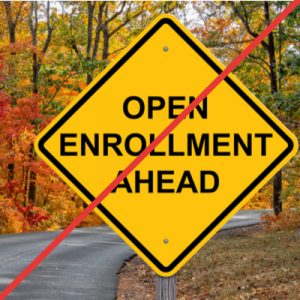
(98, 85)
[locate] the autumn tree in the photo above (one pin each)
(50, 52)
(37, 56)
(103, 21)
(245, 14)
(228, 28)
(12, 12)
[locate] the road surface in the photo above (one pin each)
(84, 266)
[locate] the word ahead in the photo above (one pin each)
(162, 182)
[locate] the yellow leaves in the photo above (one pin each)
(68, 92)
(262, 200)
(218, 24)
(24, 141)
(24, 83)
(82, 85)
(51, 89)
(147, 5)
(56, 77)
(10, 218)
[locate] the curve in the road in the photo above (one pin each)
(84, 266)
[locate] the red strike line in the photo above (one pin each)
(139, 159)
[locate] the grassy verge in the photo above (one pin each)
(240, 264)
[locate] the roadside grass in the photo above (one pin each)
(238, 264)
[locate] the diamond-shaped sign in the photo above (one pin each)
(198, 177)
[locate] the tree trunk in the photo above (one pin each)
(32, 179)
(33, 24)
(36, 65)
(99, 27)
(91, 7)
(105, 37)
(35, 74)
(277, 181)
(32, 188)
(11, 168)
(105, 43)
(25, 185)
(11, 25)
(89, 78)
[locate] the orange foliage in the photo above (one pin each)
(15, 218)
(287, 220)
(10, 217)
(19, 124)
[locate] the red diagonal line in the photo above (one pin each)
(139, 159)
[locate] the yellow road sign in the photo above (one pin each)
(198, 177)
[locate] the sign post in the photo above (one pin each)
(198, 177)
(165, 288)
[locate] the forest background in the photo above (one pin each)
(50, 51)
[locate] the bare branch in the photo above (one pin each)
(49, 29)
(245, 21)
(117, 13)
(98, 29)
(254, 59)
(117, 50)
(91, 7)
(12, 23)
(260, 58)
(260, 64)
(72, 41)
(223, 44)
(58, 88)
(33, 21)
(126, 22)
(19, 12)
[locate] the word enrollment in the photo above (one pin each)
(195, 144)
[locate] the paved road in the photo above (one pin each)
(83, 267)
(246, 218)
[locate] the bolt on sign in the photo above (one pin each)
(198, 177)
